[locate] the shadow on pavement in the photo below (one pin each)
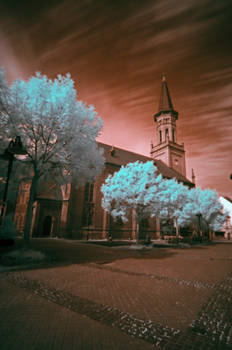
(63, 252)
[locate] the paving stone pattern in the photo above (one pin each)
(195, 284)
(215, 318)
(211, 330)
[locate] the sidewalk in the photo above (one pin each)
(31, 322)
(173, 298)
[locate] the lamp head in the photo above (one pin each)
(16, 147)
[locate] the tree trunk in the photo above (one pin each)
(137, 232)
(29, 213)
(177, 229)
(137, 225)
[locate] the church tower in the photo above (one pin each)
(167, 148)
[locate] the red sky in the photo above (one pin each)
(116, 52)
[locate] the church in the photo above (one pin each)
(64, 211)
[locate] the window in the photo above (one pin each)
(88, 207)
(88, 196)
(166, 134)
(19, 222)
(173, 135)
(160, 136)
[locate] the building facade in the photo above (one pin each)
(66, 211)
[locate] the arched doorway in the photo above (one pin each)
(47, 225)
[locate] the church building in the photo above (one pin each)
(77, 213)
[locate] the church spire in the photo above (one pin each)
(165, 99)
(165, 103)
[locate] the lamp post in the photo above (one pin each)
(15, 147)
(199, 216)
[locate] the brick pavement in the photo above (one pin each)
(29, 322)
(211, 330)
(146, 298)
(168, 311)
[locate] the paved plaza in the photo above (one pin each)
(95, 297)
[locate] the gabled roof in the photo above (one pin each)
(49, 190)
(118, 157)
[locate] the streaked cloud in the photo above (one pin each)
(116, 52)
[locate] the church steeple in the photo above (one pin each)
(167, 148)
(165, 103)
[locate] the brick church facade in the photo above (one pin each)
(77, 213)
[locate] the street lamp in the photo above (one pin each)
(199, 216)
(15, 147)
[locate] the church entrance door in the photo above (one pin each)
(47, 225)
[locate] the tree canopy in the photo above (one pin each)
(206, 204)
(58, 131)
(138, 186)
(131, 187)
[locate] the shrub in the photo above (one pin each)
(20, 257)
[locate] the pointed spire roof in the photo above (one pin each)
(165, 104)
(165, 99)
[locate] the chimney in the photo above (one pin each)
(112, 151)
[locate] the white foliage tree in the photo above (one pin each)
(205, 204)
(132, 188)
(173, 198)
(58, 131)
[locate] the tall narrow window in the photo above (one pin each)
(160, 136)
(88, 196)
(166, 134)
(87, 215)
(173, 135)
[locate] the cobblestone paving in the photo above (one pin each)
(215, 319)
(211, 330)
(195, 284)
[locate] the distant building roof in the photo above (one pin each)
(118, 157)
(228, 199)
(227, 206)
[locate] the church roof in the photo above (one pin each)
(118, 157)
(170, 173)
(165, 103)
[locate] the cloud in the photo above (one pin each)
(9, 61)
(116, 52)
